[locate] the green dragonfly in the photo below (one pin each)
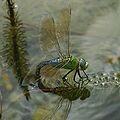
(57, 35)
(62, 96)
(66, 96)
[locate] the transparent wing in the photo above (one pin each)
(67, 109)
(48, 39)
(63, 29)
(58, 110)
(61, 110)
(43, 106)
(52, 76)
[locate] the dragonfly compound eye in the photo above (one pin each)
(83, 64)
(85, 93)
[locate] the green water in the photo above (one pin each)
(95, 35)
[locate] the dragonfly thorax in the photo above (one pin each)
(73, 62)
(70, 62)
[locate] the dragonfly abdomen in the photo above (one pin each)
(38, 75)
(53, 62)
(66, 63)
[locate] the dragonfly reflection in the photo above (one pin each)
(64, 75)
(67, 95)
(61, 106)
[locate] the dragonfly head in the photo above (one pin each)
(85, 93)
(83, 64)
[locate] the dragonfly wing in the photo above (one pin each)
(62, 110)
(67, 109)
(63, 29)
(58, 110)
(48, 37)
(52, 76)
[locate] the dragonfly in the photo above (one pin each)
(66, 96)
(62, 96)
(57, 34)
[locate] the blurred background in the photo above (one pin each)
(95, 34)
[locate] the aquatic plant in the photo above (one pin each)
(14, 45)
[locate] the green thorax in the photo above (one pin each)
(70, 62)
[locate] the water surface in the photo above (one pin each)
(95, 35)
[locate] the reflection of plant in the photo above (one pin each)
(14, 45)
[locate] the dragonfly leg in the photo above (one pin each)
(77, 71)
(82, 78)
(65, 80)
(86, 75)
(67, 83)
(79, 74)
(88, 80)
